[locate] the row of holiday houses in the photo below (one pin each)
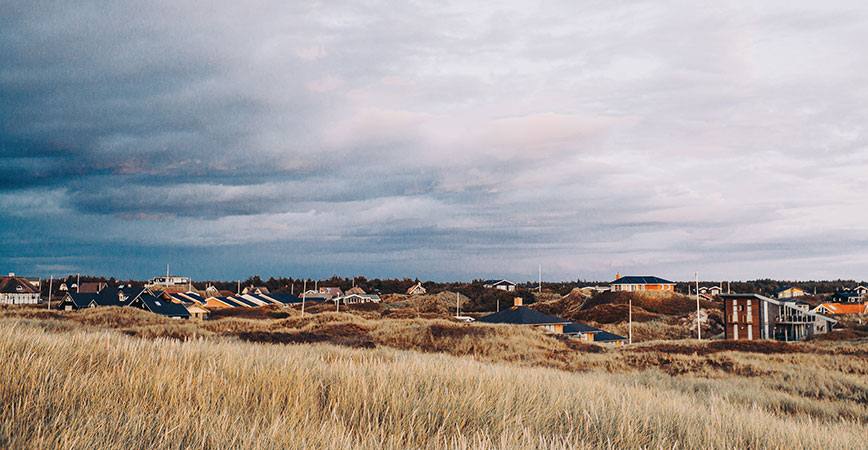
(746, 316)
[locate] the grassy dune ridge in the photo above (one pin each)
(81, 387)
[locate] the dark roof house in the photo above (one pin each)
(641, 283)
(521, 315)
(159, 306)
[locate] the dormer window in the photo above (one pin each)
(121, 296)
(18, 288)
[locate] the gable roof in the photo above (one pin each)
(91, 287)
(605, 336)
(226, 301)
(787, 288)
(78, 300)
(108, 296)
(497, 282)
(162, 307)
(574, 327)
(415, 287)
(844, 308)
(283, 299)
(333, 291)
(645, 279)
(522, 315)
(16, 285)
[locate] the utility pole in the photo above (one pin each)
(77, 283)
(457, 304)
(698, 330)
(630, 320)
(302, 296)
(540, 279)
(50, 283)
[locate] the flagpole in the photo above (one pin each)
(698, 329)
(50, 283)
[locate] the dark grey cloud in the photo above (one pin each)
(453, 140)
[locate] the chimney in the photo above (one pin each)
(517, 301)
(618, 276)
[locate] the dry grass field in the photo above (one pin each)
(120, 378)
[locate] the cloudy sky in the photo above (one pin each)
(444, 142)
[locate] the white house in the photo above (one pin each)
(17, 291)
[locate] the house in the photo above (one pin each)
(68, 285)
(753, 316)
(35, 281)
(712, 291)
(76, 300)
(17, 291)
(861, 290)
(160, 306)
(358, 298)
(842, 308)
(355, 290)
(91, 288)
(417, 289)
(590, 334)
(170, 283)
(522, 315)
(604, 337)
(316, 295)
(581, 331)
(789, 292)
(197, 312)
(331, 292)
(223, 302)
(250, 301)
(183, 297)
(641, 283)
(503, 285)
(255, 290)
(847, 296)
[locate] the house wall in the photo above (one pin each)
(743, 318)
(15, 298)
(554, 328)
(642, 287)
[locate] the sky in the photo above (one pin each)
(434, 140)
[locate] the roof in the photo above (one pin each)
(641, 280)
(522, 315)
(80, 300)
(284, 299)
(605, 336)
(781, 302)
(91, 287)
(16, 285)
(163, 307)
(226, 301)
(355, 290)
(185, 297)
(787, 288)
(496, 282)
(573, 327)
(847, 294)
(108, 296)
(415, 287)
(845, 308)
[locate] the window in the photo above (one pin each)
(741, 308)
